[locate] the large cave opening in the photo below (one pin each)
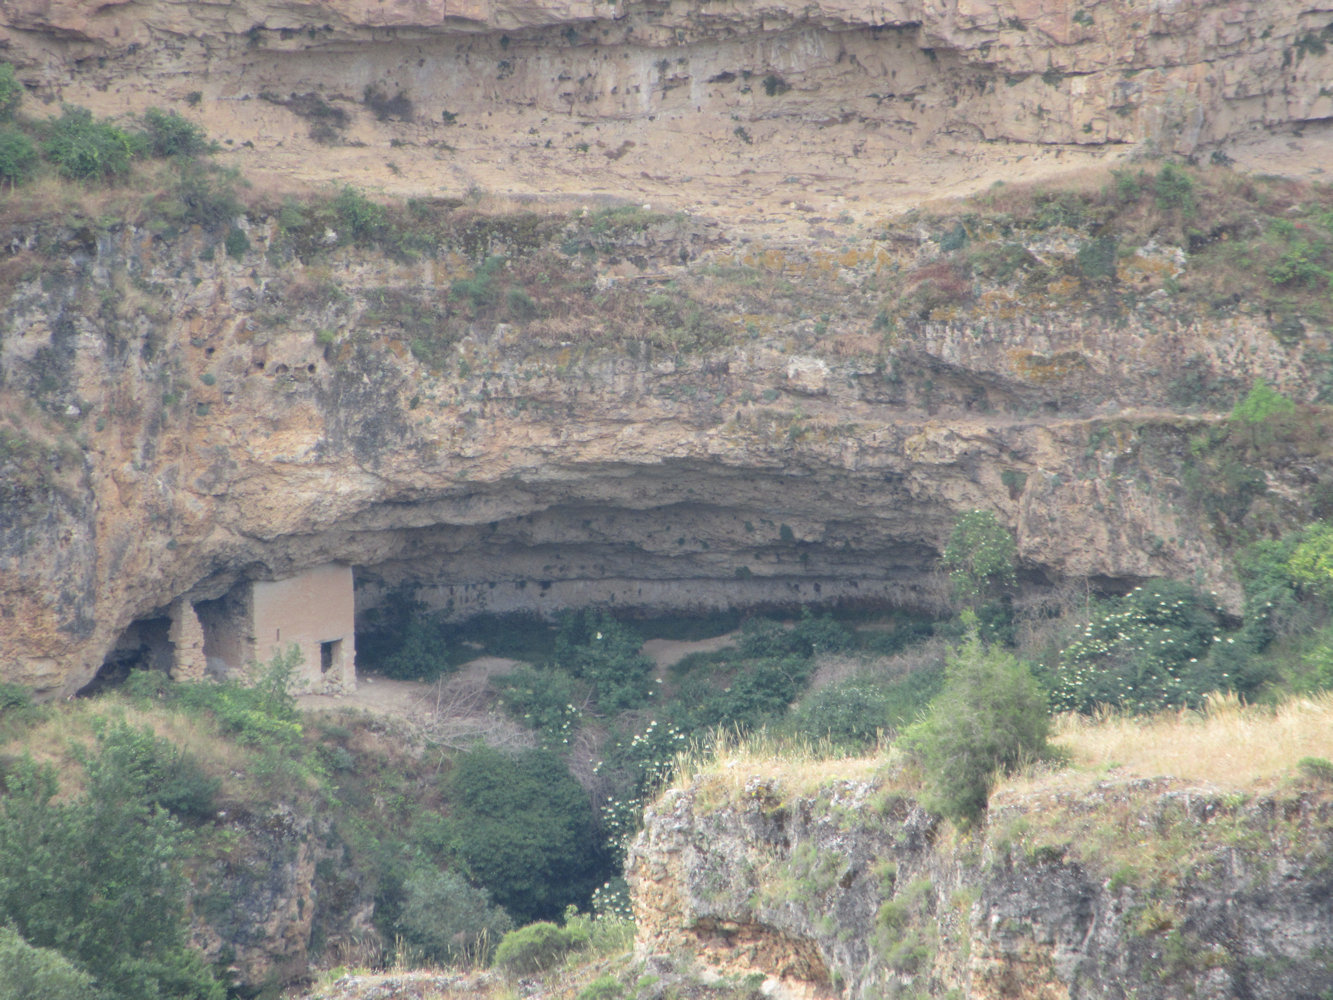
(143, 645)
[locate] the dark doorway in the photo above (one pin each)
(330, 653)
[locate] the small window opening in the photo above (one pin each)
(328, 655)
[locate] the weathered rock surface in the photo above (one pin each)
(1186, 893)
(752, 108)
(185, 439)
(191, 421)
(183, 421)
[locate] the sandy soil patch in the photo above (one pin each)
(668, 652)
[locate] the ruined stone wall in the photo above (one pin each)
(312, 611)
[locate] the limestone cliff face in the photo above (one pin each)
(852, 887)
(690, 102)
(182, 421)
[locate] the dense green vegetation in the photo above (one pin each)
(523, 827)
(990, 717)
(99, 878)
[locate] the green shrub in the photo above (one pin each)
(85, 148)
(1148, 650)
(538, 947)
(635, 767)
(18, 157)
(607, 656)
(482, 289)
(1315, 672)
(28, 973)
(1316, 768)
(758, 693)
(359, 216)
(163, 774)
(1262, 402)
(523, 827)
(446, 920)
(991, 716)
(763, 637)
(606, 987)
(170, 134)
(262, 714)
(1096, 259)
(1311, 562)
(11, 93)
(544, 699)
(519, 304)
(1174, 189)
(205, 194)
(981, 556)
(404, 639)
(1274, 607)
(1306, 256)
(236, 243)
(854, 713)
(17, 709)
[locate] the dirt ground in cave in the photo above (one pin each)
(424, 700)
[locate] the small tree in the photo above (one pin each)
(11, 93)
(99, 878)
(1260, 403)
(18, 156)
(1311, 563)
(449, 921)
(170, 134)
(980, 556)
(523, 827)
(991, 716)
(28, 973)
(539, 946)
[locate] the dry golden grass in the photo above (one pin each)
(1228, 745)
(798, 766)
(50, 196)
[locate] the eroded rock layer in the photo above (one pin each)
(724, 105)
(192, 420)
(854, 888)
(660, 412)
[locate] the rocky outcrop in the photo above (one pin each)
(196, 420)
(1144, 888)
(689, 103)
(257, 901)
(186, 420)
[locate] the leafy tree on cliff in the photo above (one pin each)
(28, 973)
(11, 93)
